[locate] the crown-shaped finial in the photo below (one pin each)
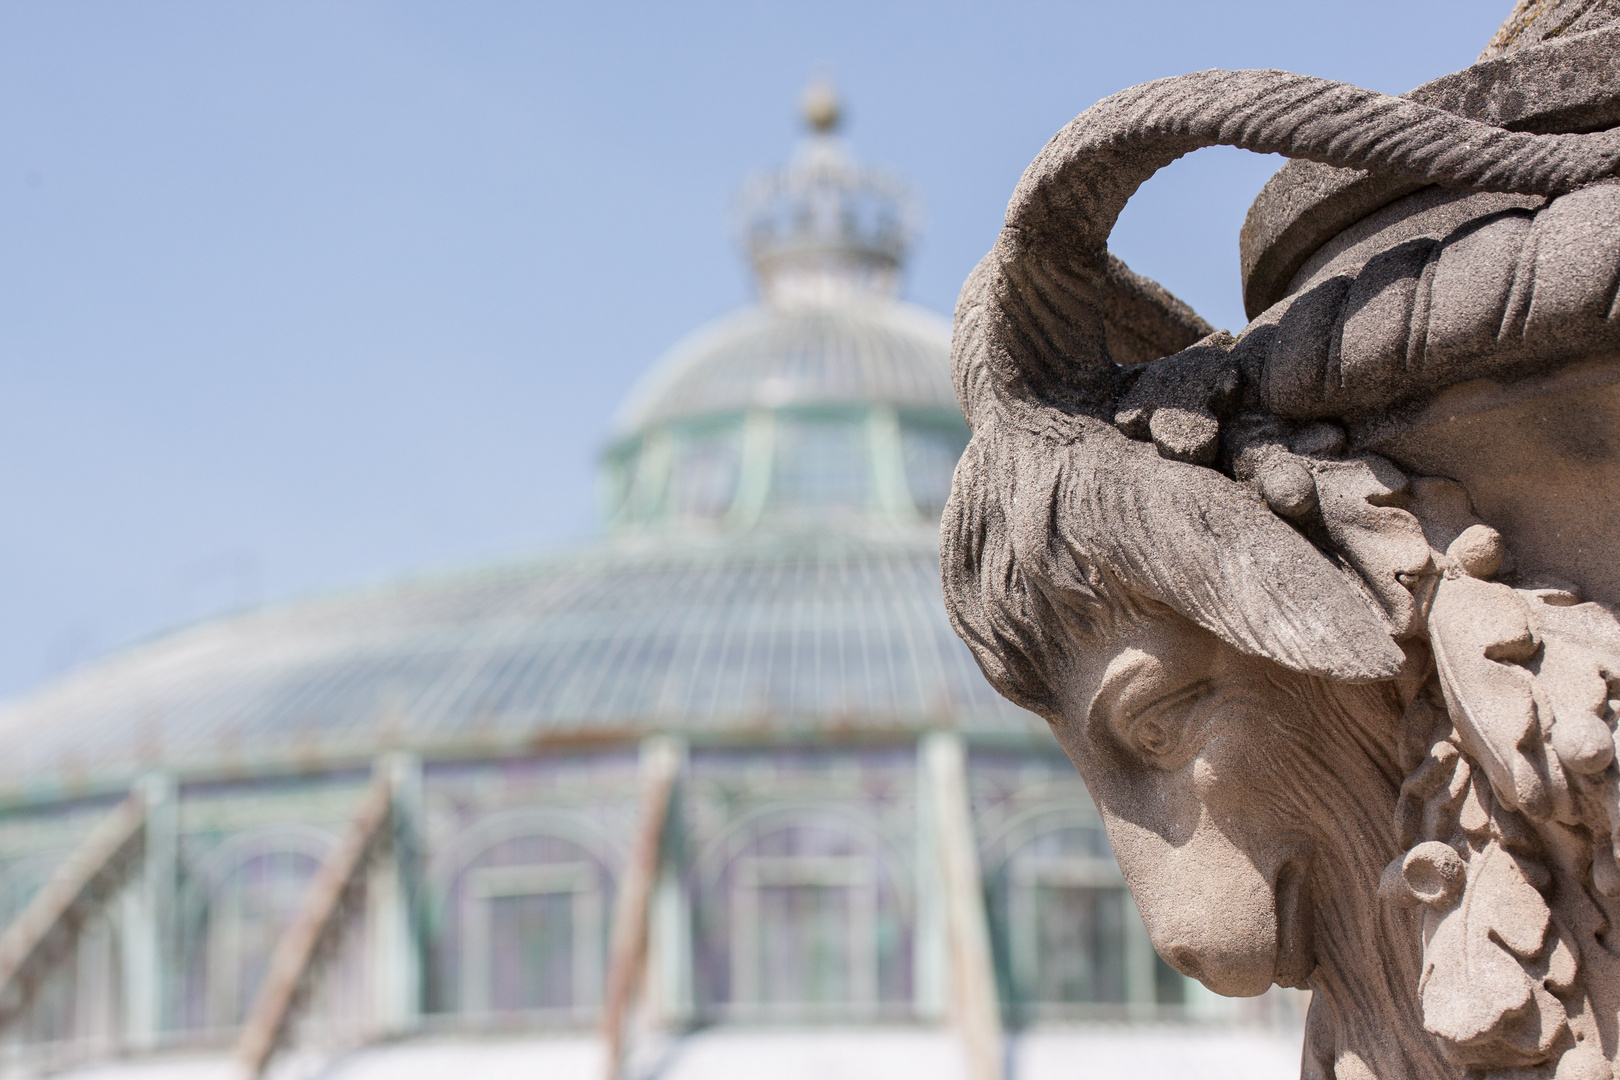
(825, 227)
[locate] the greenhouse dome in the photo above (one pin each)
(726, 767)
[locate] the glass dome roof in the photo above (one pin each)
(771, 570)
(766, 356)
(762, 637)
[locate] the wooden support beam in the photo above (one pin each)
(293, 960)
(43, 934)
(627, 953)
(975, 1004)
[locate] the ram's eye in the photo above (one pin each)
(1163, 729)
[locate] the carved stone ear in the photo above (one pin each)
(1212, 550)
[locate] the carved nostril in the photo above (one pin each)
(1185, 960)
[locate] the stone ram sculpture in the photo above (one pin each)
(1324, 613)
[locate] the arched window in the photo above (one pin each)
(1069, 943)
(532, 938)
(821, 463)
(1067, 920)
(523, 923)
(800, 917)
(707, 466)
(242, 896)
(804, 931)
(930, 453)
(1070, 940)
(75, 1007)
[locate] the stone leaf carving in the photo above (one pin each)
(1520, 693)
(1478, 996)
(1493, 967)
(1481, 637)
(1525, 729)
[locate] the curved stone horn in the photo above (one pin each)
(1040, 292)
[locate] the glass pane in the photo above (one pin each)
(1080, 944)
(703, 481)
(931, 455)
(820, 463)
(531, 941)
(804, 944)
(246, 921)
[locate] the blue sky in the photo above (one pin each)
(299, 296)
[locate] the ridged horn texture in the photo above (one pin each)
(1044, 282)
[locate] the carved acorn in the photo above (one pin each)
(1433, 873)
(1479, 551)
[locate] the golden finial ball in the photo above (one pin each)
(820, 105)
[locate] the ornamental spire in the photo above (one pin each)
(825, 229)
